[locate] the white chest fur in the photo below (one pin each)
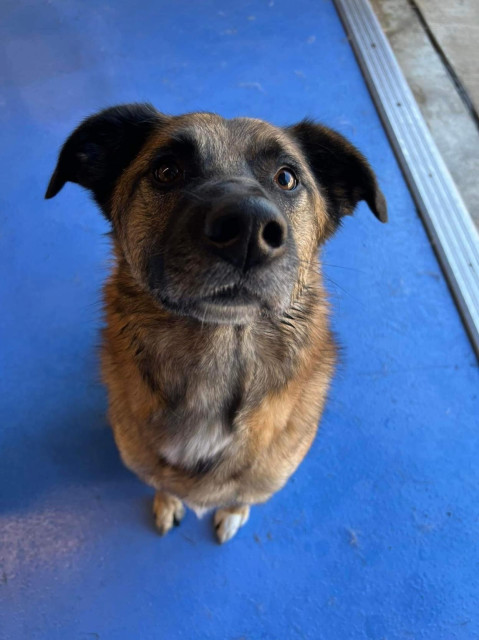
(198, 444)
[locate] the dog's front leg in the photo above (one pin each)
(228, 520)
(168, 511)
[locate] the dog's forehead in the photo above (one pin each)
(217, 139)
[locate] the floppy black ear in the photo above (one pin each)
(340, 169)
(103, 146)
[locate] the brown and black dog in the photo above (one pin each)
(217, 352)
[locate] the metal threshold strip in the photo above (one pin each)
(452, 232)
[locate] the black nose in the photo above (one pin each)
(246, 232)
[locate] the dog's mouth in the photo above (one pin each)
(232, 295)
(220, 294)
(232, 304)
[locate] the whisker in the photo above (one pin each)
(194, 195)
(338, 266)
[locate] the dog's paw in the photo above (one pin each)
(168, 511)
(227, 522)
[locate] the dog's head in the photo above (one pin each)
(218, 219)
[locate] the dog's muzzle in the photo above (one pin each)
(245, 232)
(227, 255)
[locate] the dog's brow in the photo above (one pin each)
(182, 139)
(268, 148)
(197, 142)
(274, 150)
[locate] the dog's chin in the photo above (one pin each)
(226, 307)
(217, 313)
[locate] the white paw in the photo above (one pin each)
(228, 521)
(168, 511)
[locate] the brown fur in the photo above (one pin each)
(276, 422)
(249, 391)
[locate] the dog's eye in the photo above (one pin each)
(285, 179)
(167, 172)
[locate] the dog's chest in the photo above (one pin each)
(198, 427)
(202, 393)
(206, 383)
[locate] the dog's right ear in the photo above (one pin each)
(98, 151)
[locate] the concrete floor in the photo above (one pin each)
(430, 54)
(455, 27)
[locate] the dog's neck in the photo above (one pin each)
(163, 341)
(205, 374)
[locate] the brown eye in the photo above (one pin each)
(286, 180)
(167, 172)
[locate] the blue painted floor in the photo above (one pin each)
(376, 536)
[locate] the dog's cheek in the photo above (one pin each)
(308, 221)
(135, 248)
(186, 269)
(141, 229)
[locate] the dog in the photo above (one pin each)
(217, 351)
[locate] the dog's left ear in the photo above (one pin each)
(342, 172)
